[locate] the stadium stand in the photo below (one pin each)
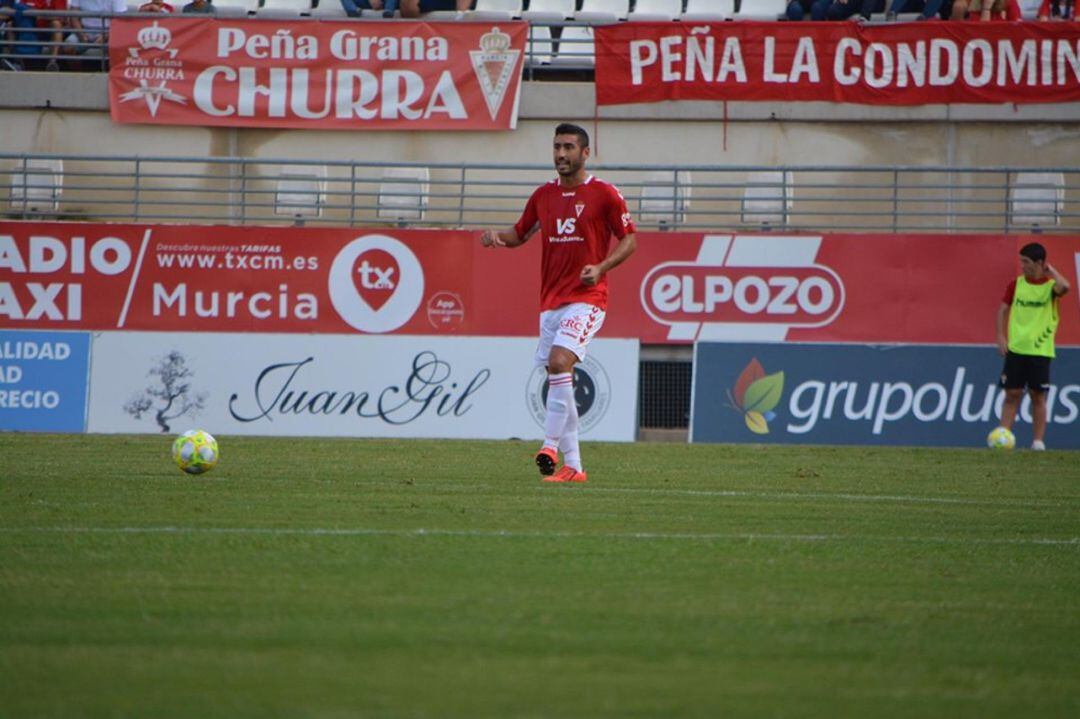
(403, 193)
(301, 191)
(655, 10)
(577, 46)
(768, 198)
(708, 10)
(287, 9)
(549, 10)
(1037, 199)
(665, 198)
(497, 9)
(235, 8)
(760, 10)
(541, 46)
(36, 186)
(599, 12)
(329, 10)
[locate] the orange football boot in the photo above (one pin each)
(567, 474)
(546, 459)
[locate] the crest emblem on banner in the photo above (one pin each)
(494, 64)
(155, 40)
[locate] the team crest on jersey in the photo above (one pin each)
(579, 208)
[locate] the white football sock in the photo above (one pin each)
(560, 399)
(569, 442)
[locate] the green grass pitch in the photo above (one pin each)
(369, 578)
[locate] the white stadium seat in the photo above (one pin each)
(577, 46)
(549, 10)
(301, 191)
(600, 12)
(661, 202)
(284, 9)
(233, 8)
(36, 185)
(655, 10)
(708, 10)
(403, 193)
(768, 198)
(1037, 198)
(496, 10)
(329, 10)
(539, 47)
(761, 9)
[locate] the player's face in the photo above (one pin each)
(569, 155)
(1032, 270)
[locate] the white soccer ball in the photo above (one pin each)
(195, 451)
(1000, 438)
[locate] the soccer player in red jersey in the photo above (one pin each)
(577, 215)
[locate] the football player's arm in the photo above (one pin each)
(505, 238)
(1061, 285)
(591, 274)
(1002, 332)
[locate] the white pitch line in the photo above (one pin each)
(503, 533)
(827, 495)
(892, 499)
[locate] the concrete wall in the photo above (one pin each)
(68, 113)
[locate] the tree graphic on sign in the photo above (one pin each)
(171, 396)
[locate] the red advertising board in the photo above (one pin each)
(677, 287)
(316, 75)
(895, 64)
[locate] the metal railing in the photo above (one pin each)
(237, 190)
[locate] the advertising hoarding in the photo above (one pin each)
(677, 288)
(43, 379)
(787, 393)
(305, 385)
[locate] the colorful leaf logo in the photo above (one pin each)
(755, 395)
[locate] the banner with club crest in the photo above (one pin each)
(316, 75)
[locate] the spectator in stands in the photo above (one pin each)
(926, 9)
(799, 9)
(846, 9)
(415, 8)
(986, 10)
(156, 6)
(1057, 10)
(30, 32)
(199, 7)
(353, 7)
(91, 30)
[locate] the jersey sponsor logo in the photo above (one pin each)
(592, 394)
(566, 226)
(376, 283)
(737, 289)
(573, 324)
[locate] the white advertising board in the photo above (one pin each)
(362, 386)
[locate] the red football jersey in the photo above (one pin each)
(576, 227)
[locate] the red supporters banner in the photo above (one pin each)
(316, 75)
(894, 64)
(677, 288)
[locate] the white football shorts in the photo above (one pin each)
(570, 326)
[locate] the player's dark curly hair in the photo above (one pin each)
(1034, 252)
(567, 128)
